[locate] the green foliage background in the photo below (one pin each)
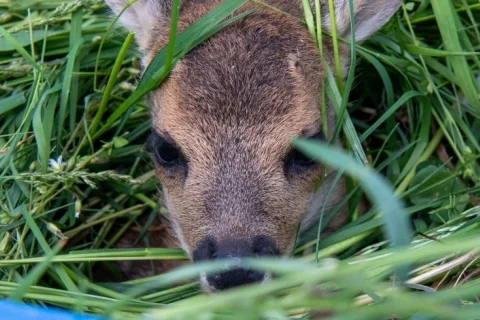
(72, 167)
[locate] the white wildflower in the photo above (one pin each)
(78, 208)
(57, 165)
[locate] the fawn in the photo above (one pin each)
(223, 122)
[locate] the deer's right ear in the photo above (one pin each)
(369, 16)
(141, 16)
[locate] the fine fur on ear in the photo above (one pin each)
(369, 15)
(141, 16)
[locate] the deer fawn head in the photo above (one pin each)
(223, 122)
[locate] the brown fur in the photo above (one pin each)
(232, 106)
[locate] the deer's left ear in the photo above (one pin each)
(141, 16)
(369, 15)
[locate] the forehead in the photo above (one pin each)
(249, 80)
(226, 105)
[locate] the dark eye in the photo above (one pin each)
(298, 161)
(166, 153)
(297, 158)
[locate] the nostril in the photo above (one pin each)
(206, 250)
(263, 246)
(212, 250)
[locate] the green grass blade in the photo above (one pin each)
(309, 18)
(397, 224)
(12, 102)
(46, 248)
(36, 272)
(111, 82)
(444, 13)
(67, 86)
(19, 48)
(390, 111)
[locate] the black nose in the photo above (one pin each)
(234, 250)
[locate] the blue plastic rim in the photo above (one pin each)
(14, 311)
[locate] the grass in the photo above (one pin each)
(72, 170)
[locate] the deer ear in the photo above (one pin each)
(141, 16)
(369, 15)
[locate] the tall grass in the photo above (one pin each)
(74, 177)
